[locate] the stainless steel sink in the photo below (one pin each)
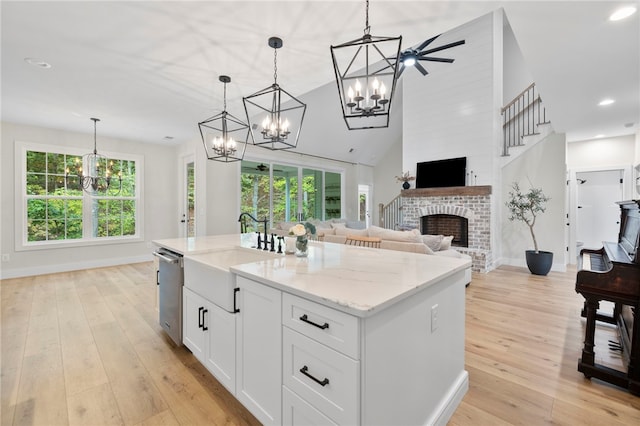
(208, 273)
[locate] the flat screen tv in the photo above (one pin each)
(440, 173)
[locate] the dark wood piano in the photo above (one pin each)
(612, 273)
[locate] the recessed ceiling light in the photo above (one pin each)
(37, 62)
(623, 12)
(599, 136)
(606, 102)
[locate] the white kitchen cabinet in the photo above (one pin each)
(209, 332)
(193, 334)
(259, 350)
(296, 411)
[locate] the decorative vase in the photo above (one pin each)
(539, 263)
(406, 185)
(302, 246)
(290, 245)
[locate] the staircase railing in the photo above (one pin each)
(390, 215)
(521, 118)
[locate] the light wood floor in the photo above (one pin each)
(85, 348)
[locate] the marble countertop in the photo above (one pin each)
(355, 280)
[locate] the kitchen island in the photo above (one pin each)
(346, 335)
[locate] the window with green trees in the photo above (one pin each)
(285, 193)
(57, 208)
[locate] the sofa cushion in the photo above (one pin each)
(356, 224)
(409, 247)
(432, 241)
(287, 225)
(446, 242)
(343, 230)
(338, 239)
(413, 236)
(325, 231)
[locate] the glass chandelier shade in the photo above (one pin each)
(366, 72)
(223, 135)
(95, 172)
(274, 115)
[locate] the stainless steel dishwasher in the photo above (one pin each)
(170, 281)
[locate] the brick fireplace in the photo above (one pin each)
(464, 212)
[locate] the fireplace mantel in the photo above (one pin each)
(449, 190)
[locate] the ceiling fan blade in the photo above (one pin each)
(443, 47)
(432, 59)
(426, 42)
(402, 67)
(421, 68)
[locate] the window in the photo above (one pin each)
(285, 193)
(51, 209)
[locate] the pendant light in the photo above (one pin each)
(274, 115)
(366, 73)
(223, 135)
(95, 172)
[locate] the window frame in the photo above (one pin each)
(314, 166)
(21, 198)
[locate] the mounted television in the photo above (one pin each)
(436, 174)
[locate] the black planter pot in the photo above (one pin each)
(406, 185)
(539, 263)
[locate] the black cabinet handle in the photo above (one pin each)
(324, 382)
(200, 317)
(235, 297)
(305, 318)
(157, 277)
(204, 327)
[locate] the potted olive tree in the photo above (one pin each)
(526, 207)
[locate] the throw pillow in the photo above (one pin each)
(446, 242)
(413, 236)
(432, 241)
(338, 225)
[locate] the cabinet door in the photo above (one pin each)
(193, 313)
(259, 346)
(221, 354)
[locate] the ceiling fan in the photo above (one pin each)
(412, 56)
(261, 168)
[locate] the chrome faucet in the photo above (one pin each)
(243, 229)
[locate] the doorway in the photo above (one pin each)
(364, 212)
(598, 215)
(188, 202)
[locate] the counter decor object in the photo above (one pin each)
(302, 233)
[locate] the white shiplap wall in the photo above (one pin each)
(450, 112)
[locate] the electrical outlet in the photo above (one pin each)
(6, 257)
(434, 317)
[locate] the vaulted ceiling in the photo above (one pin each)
(150, 69)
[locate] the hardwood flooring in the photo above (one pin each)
(85, 348)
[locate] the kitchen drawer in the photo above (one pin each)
(297, 411)
(335, 390)
(333, 328)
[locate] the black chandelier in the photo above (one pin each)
(95, 172)
(279, 114)
(366, 73)
(223, 135)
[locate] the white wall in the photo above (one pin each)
(450, 112)
(542, 166)
(601, 153)
(159, 203)
(385, 185)
(517, 76)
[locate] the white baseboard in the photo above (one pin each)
(450, 403)
(66, 267)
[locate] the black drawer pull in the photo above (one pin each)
(324, 382)
(200, 317)
(204, 327)
(305, 318)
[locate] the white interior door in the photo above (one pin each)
(598, 215)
